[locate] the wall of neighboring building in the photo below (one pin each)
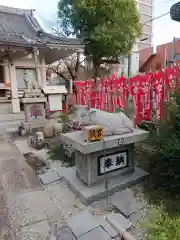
(146, 14)
(146, 8)
(163, 55)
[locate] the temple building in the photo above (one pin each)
(25, 51)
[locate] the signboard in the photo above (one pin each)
(54, 90)
(112, 162)
(55, 102)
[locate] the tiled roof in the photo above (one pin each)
(19, 26)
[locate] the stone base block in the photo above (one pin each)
(97, 192)
(32, 125)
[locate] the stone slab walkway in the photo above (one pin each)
(29, 210)
(33, 211)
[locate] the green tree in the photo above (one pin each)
(109, 28)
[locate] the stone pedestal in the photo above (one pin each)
(34, 109)
(112, 157)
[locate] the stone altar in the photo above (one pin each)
(112, 157)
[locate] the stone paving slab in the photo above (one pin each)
(37, 231)
(23, 146)
(139, 216)
(97, 192)
(31, 207)
(95, 234)
(64, 233)
(64, 199)
(4, 223)
(49, 177)
(126, 203)
(82, 223)
(14, 182)
(119, 219)
(109, 229)
(105, 225)
(25, 209)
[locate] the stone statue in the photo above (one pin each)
(30, 82)
(113, 123)
(32, 87)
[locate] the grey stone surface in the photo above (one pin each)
(87, 166)
(92, 194)
(37, 231)
(75, 139)
(6, 151)
(126, 203)
(49, 177)
(96, 234)
(139, 216)
(25, 209)
(118, 219)
(82, 223)
(64, 233)
(64, 200)
(32, 207)
(34, 124)
(23, 146)
(106, 226)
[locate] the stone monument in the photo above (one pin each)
(33, 104)
(112, 157)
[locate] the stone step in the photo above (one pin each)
(5, 107)
(10, 122)
(12, 116)
(10, 126)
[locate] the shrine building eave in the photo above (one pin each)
(20, 28)
(54, 53)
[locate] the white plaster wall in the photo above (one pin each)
(135, 60)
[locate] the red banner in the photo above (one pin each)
(111, 93)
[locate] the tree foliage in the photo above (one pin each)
(109, 28)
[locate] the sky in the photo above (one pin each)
(164, 29)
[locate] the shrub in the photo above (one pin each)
(166, 139)
(63, 153)
(162, 226)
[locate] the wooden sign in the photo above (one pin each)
(93, 133)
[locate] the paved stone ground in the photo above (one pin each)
(30, 210)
